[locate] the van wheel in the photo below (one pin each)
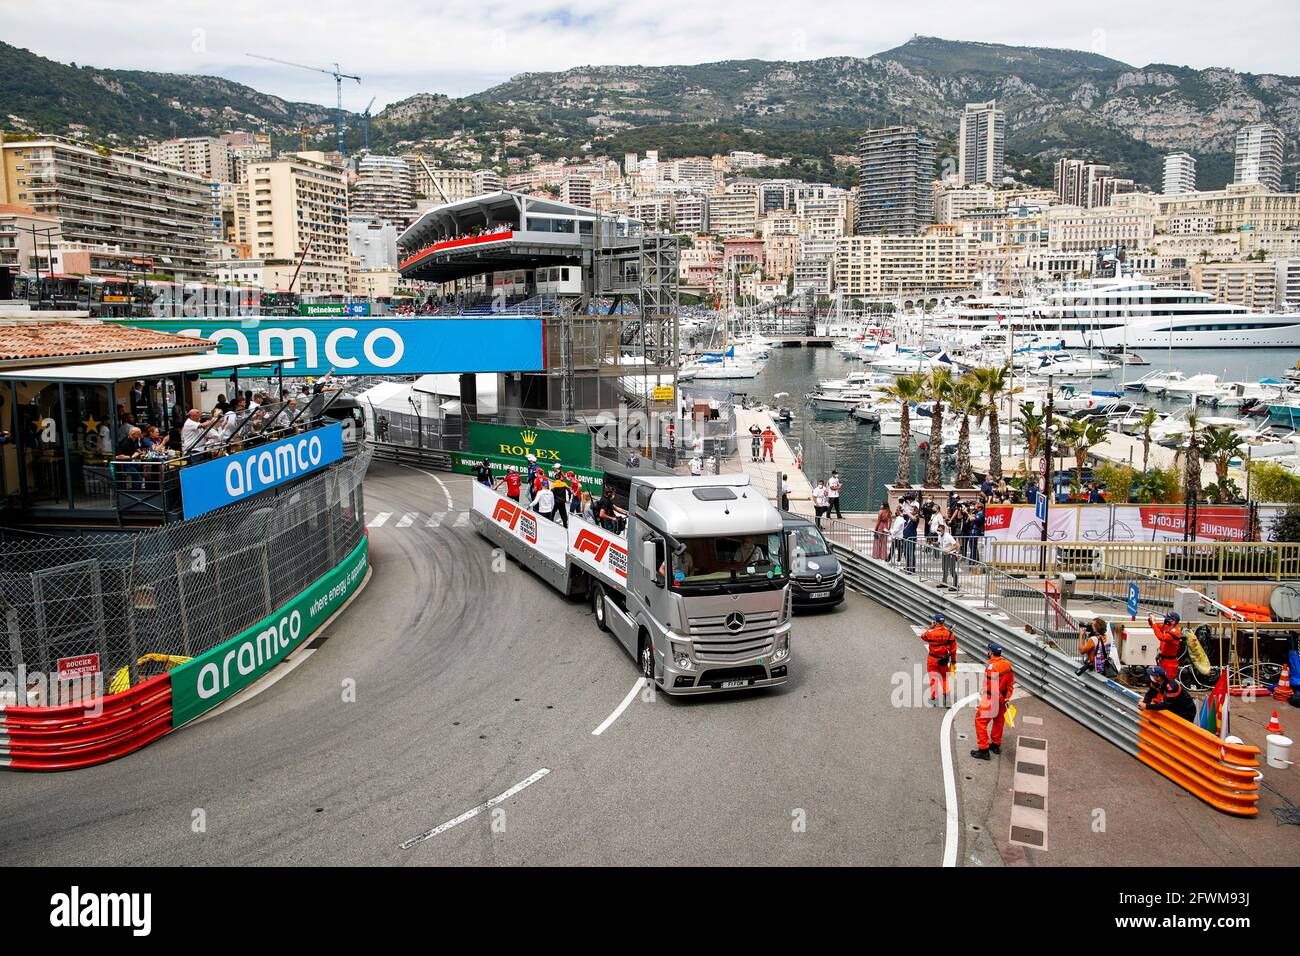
(647, 658)
(598, 606)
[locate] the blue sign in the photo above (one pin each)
(223, 481)
(1133, 600)
(1040, 507)
(371, 346)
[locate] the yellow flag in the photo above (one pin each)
(1011, 714)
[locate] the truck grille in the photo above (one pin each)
(714, 642)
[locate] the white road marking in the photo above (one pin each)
(446, 493)
(462, 519)
(379, 519)
(631, 696)
(952, 833)
(434, 521)
(475, 811)
(407, 519)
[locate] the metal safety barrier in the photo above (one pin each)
(70, 736)
(1220, 773)
(1178, 560)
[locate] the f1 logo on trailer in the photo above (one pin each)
(510, 515)
(588, 542)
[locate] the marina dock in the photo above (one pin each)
(764, 474)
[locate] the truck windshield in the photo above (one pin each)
(728, 559)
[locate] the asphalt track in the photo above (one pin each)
(468, 682)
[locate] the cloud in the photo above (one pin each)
(461, 46)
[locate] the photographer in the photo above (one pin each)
(1096, 653)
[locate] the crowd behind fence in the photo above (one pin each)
(176, 590)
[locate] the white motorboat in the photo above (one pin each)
(869, 413)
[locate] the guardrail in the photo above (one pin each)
(412, 455)
(1181, 560)
(1038, 650)
(1220, 773)
(70, 736)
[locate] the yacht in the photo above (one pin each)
(1132, 312)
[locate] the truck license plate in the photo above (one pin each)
(734, 683)
(819, 594)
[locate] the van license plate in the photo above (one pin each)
(734, 683)
(819, 594)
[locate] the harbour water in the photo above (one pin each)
(867, 461)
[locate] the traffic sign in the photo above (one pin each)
(1133, 594)
(1040, 507)
(1042, 464)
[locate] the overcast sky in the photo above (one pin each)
(464, 46)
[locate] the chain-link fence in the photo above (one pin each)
(180, 589)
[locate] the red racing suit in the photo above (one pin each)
(1171, 645)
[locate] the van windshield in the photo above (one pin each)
(808, 541)
(729, 558)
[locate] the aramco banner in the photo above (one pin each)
(217, 675)
(551, 447)
(223, 481)
(371, 346)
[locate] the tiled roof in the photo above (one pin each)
(24, 341)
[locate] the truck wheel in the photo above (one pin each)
(598, 606)
(647, 658)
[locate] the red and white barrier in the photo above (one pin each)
(70, 736)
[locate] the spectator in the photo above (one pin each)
(1094, 494)
(948, 550)
(821, 501)
(1092, 644)
(783, 491)
(896, 535)
(192, 429)
(986, 487)
(976, 531)
(696, 466)
(755, 441)
(880, 545)
(911, 519)
(129, 450)
(833, 489)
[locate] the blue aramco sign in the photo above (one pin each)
(368, 346)
(223, 481)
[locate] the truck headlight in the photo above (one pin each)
(781, 650)
(682, 657)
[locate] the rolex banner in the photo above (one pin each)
(552, 447)
(465, 463)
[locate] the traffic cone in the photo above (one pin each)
(1282, 690)
(1273, 726)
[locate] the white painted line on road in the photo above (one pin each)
(434, 521)
(406, 520)
(378, 520)
(472, 813)
(951, 834)
(631, 696)
(446, 493)
(462, 519)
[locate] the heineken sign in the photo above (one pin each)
(217, 675)
(334, 308)
(551, 447)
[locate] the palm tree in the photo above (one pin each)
(1221, 445)
(1080, 435)
(1031, 423)
(994, 384)
(907, 390)
(938, 389)
(967, 398)
(1148, 419)
(1192, 463)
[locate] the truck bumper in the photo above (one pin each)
(719, 678)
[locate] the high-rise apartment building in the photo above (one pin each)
(691, 214)
(895, 177)
(384, 189)
(734, 215)
(576, 190)
(982, 144)
(121, 199)
(204, 156)
(1180, 174)
(299, 208)
(1076, 181)
(1258, 156)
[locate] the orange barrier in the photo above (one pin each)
(69, 736)
(1220, 773)
(1256, 613)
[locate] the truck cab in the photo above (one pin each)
(706, 606)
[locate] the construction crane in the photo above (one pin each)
(339, 77)
(365, 122)
(433, 179)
